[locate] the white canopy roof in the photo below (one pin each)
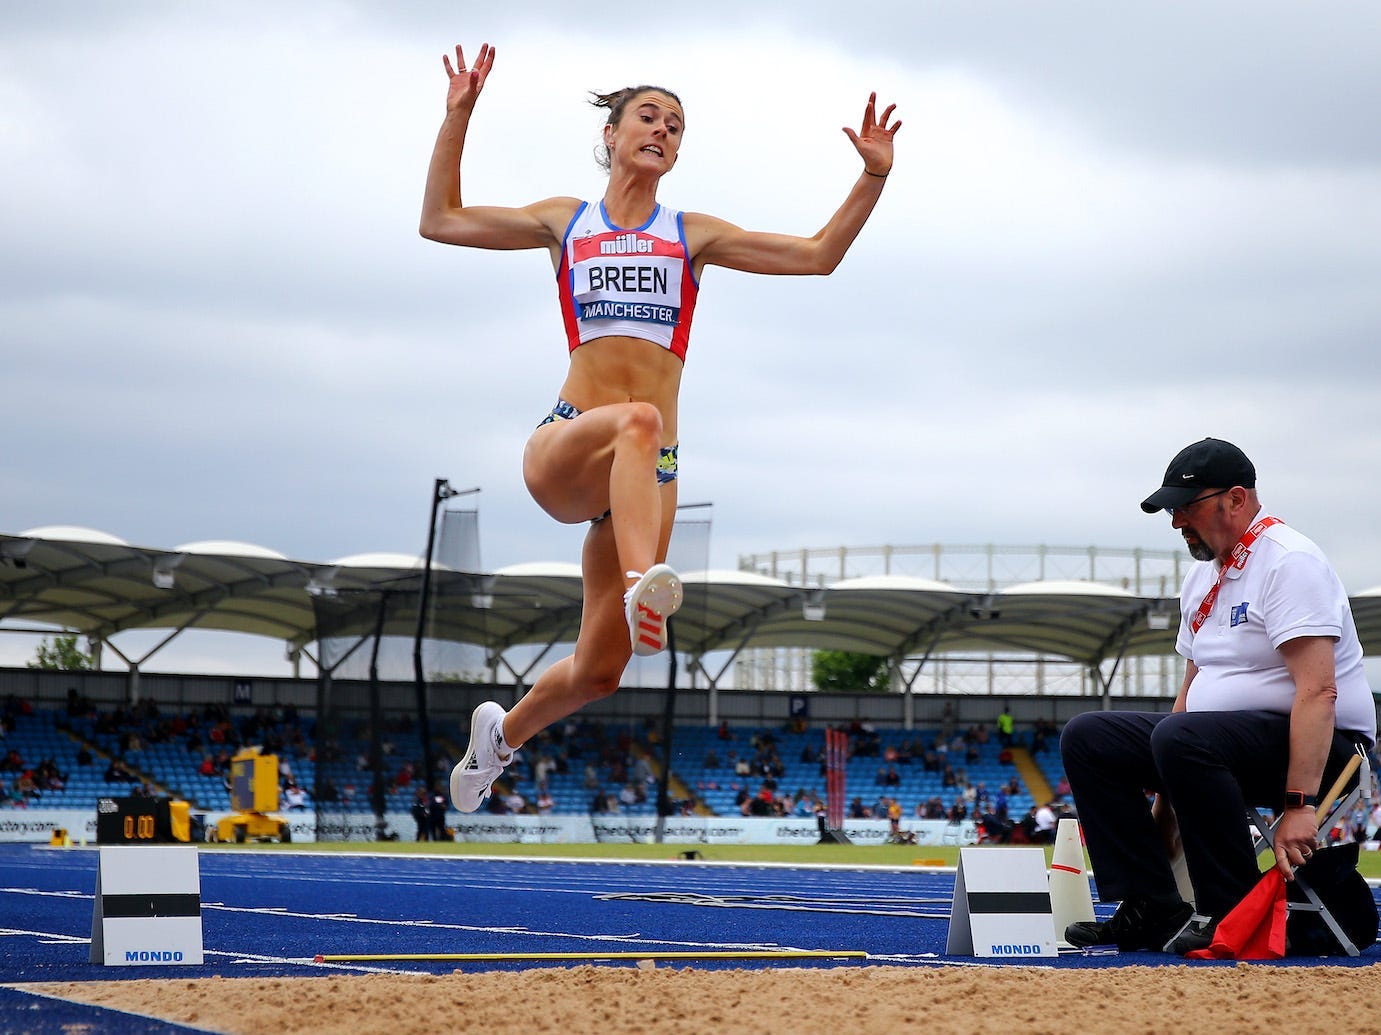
(97, 585)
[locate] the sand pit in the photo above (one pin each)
(646, 1000)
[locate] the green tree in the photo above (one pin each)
(848, 670)
(62, 655)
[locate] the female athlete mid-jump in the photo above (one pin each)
(628, 273)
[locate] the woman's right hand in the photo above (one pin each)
(466, 83)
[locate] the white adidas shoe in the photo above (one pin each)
(474, 775)
(647, 604)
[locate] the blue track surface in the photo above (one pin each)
(271, 913)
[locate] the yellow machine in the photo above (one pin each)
(254, 798)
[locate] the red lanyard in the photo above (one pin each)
(1240, 553)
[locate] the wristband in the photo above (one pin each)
(880, 176)
(1299, 800)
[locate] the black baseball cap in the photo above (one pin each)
(1210, 464)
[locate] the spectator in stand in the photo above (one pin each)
(15, 705)
(545, 804)
(420, 816)
(1006, 727)
(295, 798)
(543, 768)
(25, 786)
(75, 705)
(117, 773)
(49, 777)
(437, 803)
(207, 767)
(763, 803)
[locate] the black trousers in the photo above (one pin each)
(1209, 766)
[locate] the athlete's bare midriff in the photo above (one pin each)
(620, 370)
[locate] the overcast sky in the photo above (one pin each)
(1111, 230)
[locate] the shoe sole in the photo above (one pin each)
(658, 596)
(461, 769)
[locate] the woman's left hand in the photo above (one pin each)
(874, 139)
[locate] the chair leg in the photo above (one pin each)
(1315, 905)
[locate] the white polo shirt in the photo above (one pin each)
(1285, 590)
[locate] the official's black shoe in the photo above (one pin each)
(1197, 933)
(1139, 924)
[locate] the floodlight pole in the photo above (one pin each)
(441, 492)
(664, 806)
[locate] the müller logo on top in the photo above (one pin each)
(626, 244)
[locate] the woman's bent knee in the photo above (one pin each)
(641, 423)
(597, 685)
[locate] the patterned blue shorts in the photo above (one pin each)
(666, 457)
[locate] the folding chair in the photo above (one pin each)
(1265, 839)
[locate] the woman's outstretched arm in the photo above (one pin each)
(445, 217)
(716, 242)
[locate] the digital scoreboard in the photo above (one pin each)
(140, 821)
